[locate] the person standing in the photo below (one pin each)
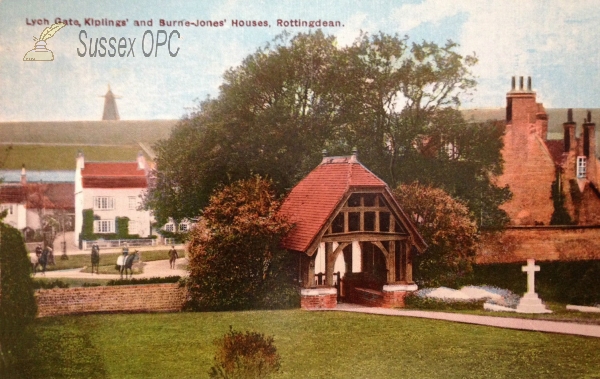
(173, 257)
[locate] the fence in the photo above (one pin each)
(87, 245)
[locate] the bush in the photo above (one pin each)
(236, 260)
(250, 355)
(17, 302)
(43, 284)
(157, 280)
(573, 282)
(413, 300)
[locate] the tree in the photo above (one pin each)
(277, 111)
(236, 261)
(447, 227)
(17, 303)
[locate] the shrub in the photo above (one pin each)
(157, 280)
(17, 302)
(422, 302)
(236, 260)
(245, 355)
(43, 284)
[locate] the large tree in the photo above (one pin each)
(394, 100)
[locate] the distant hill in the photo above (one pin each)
(121, 132)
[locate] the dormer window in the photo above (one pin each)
(581, 167)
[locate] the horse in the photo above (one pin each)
(95, 259)
(124, 263)
(36, 261)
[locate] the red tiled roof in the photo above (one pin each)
(12, 194)
(61, 195)
(556, 149)
(311, 203)
(113, 175)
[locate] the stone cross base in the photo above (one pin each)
(531, 303)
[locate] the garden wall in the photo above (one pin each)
(542, 243)
(134, 298)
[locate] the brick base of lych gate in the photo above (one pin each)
(318, 298)
(392, 296)
(133, 298)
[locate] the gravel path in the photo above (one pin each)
(152, 269)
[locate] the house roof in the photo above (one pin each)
(113, 175)
(12, 194)
(61, 195)
(556, 149)
(311, 204)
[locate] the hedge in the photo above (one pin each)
(573, 282)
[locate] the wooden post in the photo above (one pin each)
(407, 250)
(310, 280)
(329, 264)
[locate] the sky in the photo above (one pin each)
(553, 41)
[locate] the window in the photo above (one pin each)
(132, 202)
(169, 227)
(581, 167)
(183, 227)
(104, 202)
(104, 226)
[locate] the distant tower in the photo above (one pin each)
(110, 106)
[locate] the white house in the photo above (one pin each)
(111, 190)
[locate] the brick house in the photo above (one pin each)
(111, 190)
(347, 224)
(534, 163)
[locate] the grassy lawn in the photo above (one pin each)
(311, 344)
(48, 157)
(109, 260)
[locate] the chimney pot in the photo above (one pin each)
(529, 83)
(570, 115)
(513, 83)
(521, 83)
(589, 116)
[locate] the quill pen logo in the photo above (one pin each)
(40, 52)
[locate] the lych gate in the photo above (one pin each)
(348, 228)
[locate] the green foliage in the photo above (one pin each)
(87, 225)
(419, 302)
(17, 303)
(122, 226)
(574, 282)
(157, 280)
(49, 284)
(245, 356)
(448, 229)
(235, 258)
(560, 216)
(291, 99)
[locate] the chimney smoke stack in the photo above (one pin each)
(521, 83)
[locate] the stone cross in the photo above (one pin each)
(530, 269)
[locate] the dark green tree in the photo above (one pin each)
(275, 113)
(17, 303)
(236, 261)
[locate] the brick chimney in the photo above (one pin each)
(23, 175)
(141, 161)
(569, 132)
(521, 106)
(589, 146)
